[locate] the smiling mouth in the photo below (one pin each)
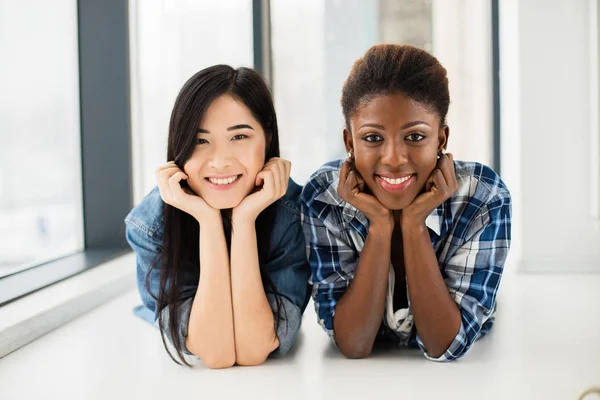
(223, 182)
(394, 184)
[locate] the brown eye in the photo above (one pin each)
(415, 137)
(239, 137)
(372, 138)
(201, 141)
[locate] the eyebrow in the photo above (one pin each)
(231, 128)
(405, 126)
(411, 124)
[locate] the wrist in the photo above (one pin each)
(410, 223)
(381, 227)
(207, 218)
(239, 218)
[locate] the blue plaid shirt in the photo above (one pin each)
(470, 233)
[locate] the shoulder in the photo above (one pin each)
(321, 188)
(482, 200)
(288, 206)
(287, 218)
(479, 184)
(147, 217)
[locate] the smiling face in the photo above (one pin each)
(229, 153)
(395, 141)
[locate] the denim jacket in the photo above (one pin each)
(287, 265)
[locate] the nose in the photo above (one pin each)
(220, 159)
(394, 154)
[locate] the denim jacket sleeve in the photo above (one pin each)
(144, 233)
(288, 268)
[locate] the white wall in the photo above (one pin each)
(462, 43)
(550, 132)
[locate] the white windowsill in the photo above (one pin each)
(34, 315)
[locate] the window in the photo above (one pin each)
(65, 186)
(40, 169)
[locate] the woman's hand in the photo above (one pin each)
(351, 189)
(271, 183)
(168, 177)
(440, 186)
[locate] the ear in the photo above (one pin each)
(443, 138)
(348, 142)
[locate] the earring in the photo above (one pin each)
(441, 153)
(349, 154)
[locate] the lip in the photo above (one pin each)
(222, 187)
(388, 187)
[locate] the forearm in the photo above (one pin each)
(254, 323)
(359, 312)
(436, 315)
(210, 329)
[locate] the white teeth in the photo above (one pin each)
(226, 181)
(396, 181)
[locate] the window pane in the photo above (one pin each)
(312, 60)
(40, 164)
(170, 41)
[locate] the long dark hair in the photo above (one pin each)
(179, 260)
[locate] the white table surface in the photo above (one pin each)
(545, 345)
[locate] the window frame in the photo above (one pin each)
(105, 148)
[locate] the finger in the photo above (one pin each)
(360, 182)
(162, 180)
(286, 177)
(344, 171)
(288, 169)
(284, 174)
(177, 177)
(163, 176)
(170, 164)
(444, 162)
(351, 186)
(446, 165)
(429, 184)
(174, 184)
(271, 161)
(170, 169)
(268, 184)
(439, 181)
(259, 181)
(451, 178)
(276, 173)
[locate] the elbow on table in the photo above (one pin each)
(252, 360)
(445, 353)
(219, 361)
(355, 351)
(214, 359)
(435, 354)
(253, 355)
